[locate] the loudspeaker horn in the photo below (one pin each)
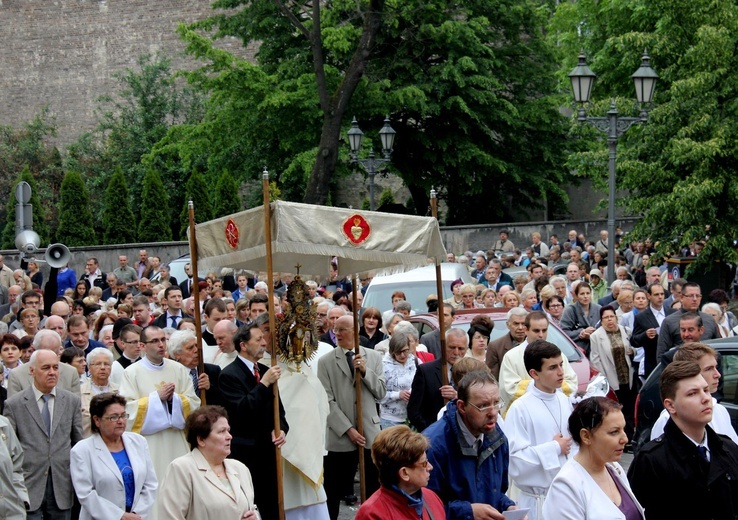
(57, 255)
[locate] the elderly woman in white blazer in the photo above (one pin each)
(204, 484)
(101, 466)
(611, 354)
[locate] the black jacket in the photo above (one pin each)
(425, 395)
(671, 480)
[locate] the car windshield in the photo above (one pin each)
(380, 296)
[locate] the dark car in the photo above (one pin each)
(462, 319)
(649, 404)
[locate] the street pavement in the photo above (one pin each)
(349, 513)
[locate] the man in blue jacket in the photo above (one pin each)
(469, 453)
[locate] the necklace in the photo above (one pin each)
(557, 422)
(218, 470)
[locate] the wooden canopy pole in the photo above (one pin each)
(439, 290)
(272, 331)
(357, 382)
(196, 295)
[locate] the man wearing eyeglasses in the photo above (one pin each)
(337, 371)
(160, 396)
(670, 333)
(469, 453)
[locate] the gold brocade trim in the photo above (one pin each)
(143, 405)
(185, 406)
(519, 391)
(568, 390)
(314, 485)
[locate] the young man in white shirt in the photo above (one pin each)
(537, 427)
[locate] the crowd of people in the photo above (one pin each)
(103, 416)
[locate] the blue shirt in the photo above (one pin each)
(124, 465)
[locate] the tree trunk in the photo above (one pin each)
(335, 108)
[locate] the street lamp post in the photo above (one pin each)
(613, 126)
(371, 163)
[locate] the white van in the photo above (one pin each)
(417, 284)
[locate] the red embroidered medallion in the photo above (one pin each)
(232, 234)
(356, 229)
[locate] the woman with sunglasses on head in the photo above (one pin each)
(399, 454)
(592, 485)
(111, 456)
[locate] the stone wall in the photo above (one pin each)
(64, 53)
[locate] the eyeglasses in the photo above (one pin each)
(131, 342)
(496, 406)
(322, 314)
(555, 306)
(423, 464)
(116, 418)
(404, 352)
(155, 340)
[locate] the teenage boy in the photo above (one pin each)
(690, 471)
(537, 427)
(706, 357)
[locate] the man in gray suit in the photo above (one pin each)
(670, 333)
(48, 422)
(20, 378)
(336, 372)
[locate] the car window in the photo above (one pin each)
(380, 296)
(555, 336)
(730, 377)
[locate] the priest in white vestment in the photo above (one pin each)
(537, 428)
(306, 410)
(160, 396)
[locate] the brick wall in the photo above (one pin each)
(63, 53)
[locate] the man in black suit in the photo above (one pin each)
(432, 339)
(182, 347)
(186, 285)
(245, 388)
(647, 325)
(428, 393)
(333, 314)
(215, 310)
(174, 313)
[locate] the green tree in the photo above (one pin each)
(467, 85)
(155, 218)
(39, 213)
(75, 217)
(227, 200)
(131, 120)
(680, 169)
(386, 197)
(196, 191)
(118, 220)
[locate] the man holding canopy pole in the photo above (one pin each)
(336, 371)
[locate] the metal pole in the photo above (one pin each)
(612, 141)
(372, 173)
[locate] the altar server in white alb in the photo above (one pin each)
(160, 396)
(537, 427)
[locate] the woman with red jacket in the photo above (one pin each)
(404, 470)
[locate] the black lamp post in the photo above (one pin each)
(582, 79)
(371, 163)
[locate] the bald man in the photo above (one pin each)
(336, 372)
(58, 325)
(223, 333)
(20, 378)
